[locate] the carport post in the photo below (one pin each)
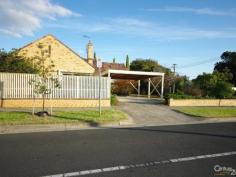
(138, 87)
(162, 85)
(149, 87)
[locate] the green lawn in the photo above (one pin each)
(208, 111)
(83, 116)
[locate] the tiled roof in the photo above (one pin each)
(106, 66)
(117, 66)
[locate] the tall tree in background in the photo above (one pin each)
(148, 65)
(151, 65)
(114, 60)
(209, 83)
(228, 60)
(13, 63)
(95, 56)
(127, 64)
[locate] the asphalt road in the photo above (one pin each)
(127, 152)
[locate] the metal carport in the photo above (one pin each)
(138, 75)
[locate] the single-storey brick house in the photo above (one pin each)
(67, 61)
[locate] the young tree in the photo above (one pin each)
(127, 64)
(45, 66)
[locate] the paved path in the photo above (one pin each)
(163, 151)
(152, 112)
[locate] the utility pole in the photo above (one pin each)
(174, 66)
(99, 66)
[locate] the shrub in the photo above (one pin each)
(13, 63)
(194, 91)
(114, 100)
(222, 90)
(179, 96)
(122, 87)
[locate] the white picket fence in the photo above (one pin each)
(16, 85)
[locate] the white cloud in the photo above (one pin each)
(201, 11)
(137, 28)
(133, 27)
(23, 17)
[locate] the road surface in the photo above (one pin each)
(183, 150)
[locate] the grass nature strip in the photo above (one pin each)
(82, 116)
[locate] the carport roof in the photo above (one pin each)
(131, 75)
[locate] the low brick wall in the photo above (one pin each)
(65, 103)
(202, 102)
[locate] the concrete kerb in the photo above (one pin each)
(14, 129)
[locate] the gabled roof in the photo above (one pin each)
(59, 42)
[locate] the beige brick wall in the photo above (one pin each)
(65, 103)
(202, 102)
(64, 59)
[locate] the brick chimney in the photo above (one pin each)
(90, 53)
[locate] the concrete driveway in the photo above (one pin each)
(151, 112)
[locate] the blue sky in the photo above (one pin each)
(192, 34)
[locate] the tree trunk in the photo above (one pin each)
(43, 102)
(33, 111)
(219, 102)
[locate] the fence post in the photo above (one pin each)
(149, 87)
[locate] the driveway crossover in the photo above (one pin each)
(152, 112)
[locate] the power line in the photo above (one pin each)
(198, 63)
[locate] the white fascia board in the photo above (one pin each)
(135, 72)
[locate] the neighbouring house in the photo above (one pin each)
(67, 61)
(116, 66)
